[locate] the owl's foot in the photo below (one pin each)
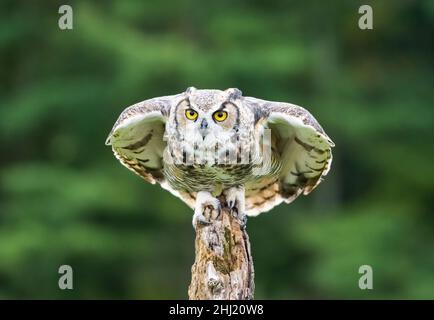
(207, 208)
(236, 201)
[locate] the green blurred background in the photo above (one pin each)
(64, 198)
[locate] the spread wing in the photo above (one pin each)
(302, 147)
(137, 137)
(137, 140)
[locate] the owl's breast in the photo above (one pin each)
(204, 177)
(187, 172)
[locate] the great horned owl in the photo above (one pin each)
(201, 144)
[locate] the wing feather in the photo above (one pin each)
(137, 137)
(304, 151)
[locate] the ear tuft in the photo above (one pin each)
(190, 90)
(234, 93)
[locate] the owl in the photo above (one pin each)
(206, 145)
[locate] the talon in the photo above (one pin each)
(231, 204)
(243, 221)
(199, 218)
(207, 209)
(218, 211)
(235, 199)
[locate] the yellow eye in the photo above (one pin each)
(191, 114)
(220, 115)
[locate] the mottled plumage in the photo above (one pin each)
(201, 143)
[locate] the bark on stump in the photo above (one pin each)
(223, 267)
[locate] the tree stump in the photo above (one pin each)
(223, 267)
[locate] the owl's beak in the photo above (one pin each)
(203, 128)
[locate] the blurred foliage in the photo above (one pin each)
(64, 198)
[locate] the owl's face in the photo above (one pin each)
(208, 124)
(207, 112)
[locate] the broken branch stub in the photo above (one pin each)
(223, 267)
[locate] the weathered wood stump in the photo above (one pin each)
(223, 267)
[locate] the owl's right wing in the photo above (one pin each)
(138, 140)
(137, 137)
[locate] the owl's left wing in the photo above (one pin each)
(303, 148)
(137, 137)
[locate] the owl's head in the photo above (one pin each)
(205, 112)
